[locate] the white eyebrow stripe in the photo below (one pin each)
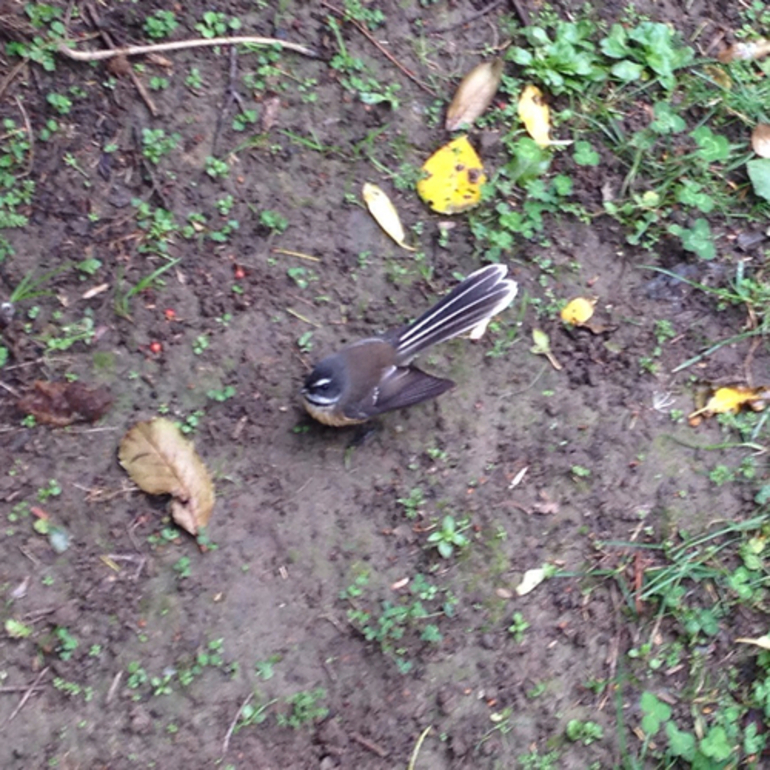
(320, 383)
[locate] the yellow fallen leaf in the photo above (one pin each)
(535, 115)
(161, 461)
(578, 311)
(731, 399)
(384, 212)
(474, 94)
(453, 176)
(761, 641)
(760, 140)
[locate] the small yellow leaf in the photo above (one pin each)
(731, 399)
(760, 140)
(578, 311)
(453, 176)
(384, 212)
(535, 115)
(474, 94)
(161, 461)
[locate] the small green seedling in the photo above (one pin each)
(449, 536)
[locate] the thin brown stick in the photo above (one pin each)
(467, 20)
(376, 43)
(11, 390)
(28, 693)
(11, 75)
(375, 748)
(23, 112)
(231, 729)
(134, 77)
(181, 45)
(25, 688)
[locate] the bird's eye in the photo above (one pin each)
(322, 384)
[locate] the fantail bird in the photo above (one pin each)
(375, 375)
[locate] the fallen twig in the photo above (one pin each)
(231, 97)
(31, 136)
(11, 75)
(466, 20)
(375, 748)
(134, 77)
(24, 698)
(376, 43)
(231, 729)
(181, 45)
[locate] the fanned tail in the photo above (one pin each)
(483, 294)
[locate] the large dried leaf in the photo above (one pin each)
(452, 179)
(474, 94)
(383, 210)
(161, 461)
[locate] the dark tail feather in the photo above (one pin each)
(480, 296)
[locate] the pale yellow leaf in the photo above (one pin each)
(578, 311)
(384, 213)
(542, 347)
(760, 140)
(160, 461)
(474, 94)
(761, 641)
(531, 580)
(535, 115)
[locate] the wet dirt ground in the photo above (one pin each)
(544, 463)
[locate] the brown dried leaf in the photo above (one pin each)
(61, 403)
(760, 140)
(474, 94)
(160, 460)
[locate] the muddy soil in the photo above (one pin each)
(163, 642)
